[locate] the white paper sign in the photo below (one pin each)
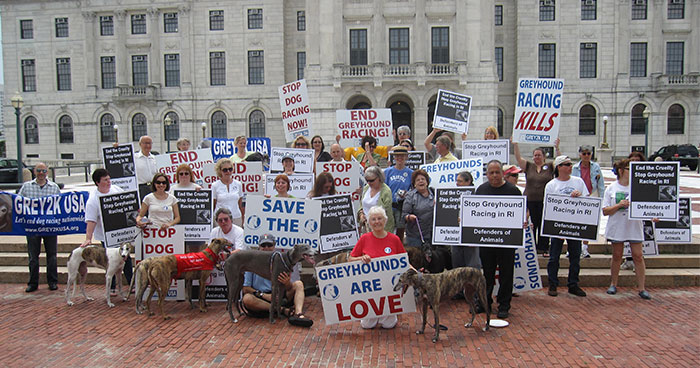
(292, 221)
(167, 164)
(452, 111)
(303, 159)
(250, 174)
(346, 177)
(299, 184)
(538, 110)
(355, 124)
(526, 269)
(444, 174)
(160, 242)
(296, 115)
(498, 149)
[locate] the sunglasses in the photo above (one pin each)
(301, 145)
(227, 169)
(586, 153)
(566, 164)
(370, 180)
(42, 170)
(266, 245)
(184, 173)
(223, 219)
(161, 182)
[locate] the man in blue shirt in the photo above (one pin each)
(398, 178)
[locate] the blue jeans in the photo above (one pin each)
(574, 261)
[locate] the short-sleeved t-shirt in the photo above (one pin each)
(398, 180)
(566, 187)
(536, 181)
(620, 228)
(160, 211)
(94, 213)
(375, 247)
(227, 196)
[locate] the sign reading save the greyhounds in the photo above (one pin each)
(355, 290)
(303, 159)
(492, 221)
(162, 242)
(300, 184)
(444, 174)
(676, 231)
(338, 225)
(355, 124)
(53, 215)
(296, 115)
(538, 110)
(414, 161)
(119, 213)
(452, 111)
(654, 190)
(168, 163)
(493, 149)
(119, 162)
(567, 217)
(195, 213)
(446, 214)
(292, 221)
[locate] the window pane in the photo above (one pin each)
(301, 20)
(65, 129)
(172, 131)
(256, 67)
(61, 27)
(398, 46)
(301, 63)
(358, 47)
(138, 126)
(639, 9)
(31, 130)
(498, 14)
(638, 59)
(109, 73)
(676, 9)
(587, 120)
(172, 70)
(139, 67)
(499, 62)
(588, 9)
(638, 121)
(440, 42)
(170, 23)
(218, 125)
(255, 18)
(138, 24)
(217, 68)
(106, 25)
(546, 10)
(28, 76)
(588, 60)
(676, 120)
(256, 124)
(500, 123)
(547, 60)
(216, 20)
(107, 133)
(63, 74)
(674, 58)
(26, 29)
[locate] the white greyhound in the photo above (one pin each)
(109, 259)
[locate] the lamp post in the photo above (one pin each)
(17, 103)
(645, 114)
(605, 133)
(167, 121)
(116, 133)
(204, 129)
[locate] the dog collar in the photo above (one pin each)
(287, 266)
(212, 254)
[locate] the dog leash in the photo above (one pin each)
(287, 267)
(419, 230)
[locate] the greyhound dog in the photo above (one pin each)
(109, 259)
(158, 272)
(430, 288)
(267, 265)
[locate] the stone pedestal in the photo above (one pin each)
(604, 157)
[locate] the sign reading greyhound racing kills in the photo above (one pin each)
(292, 221)
(567, 217)
(196, 160)
(162, 242)
(54, 215)
(488, 150)
(654, 190)
(355, 290)
(355, 124)
(414, 161)
(538, 110)
(296, 115)
(299, 184)
(676, 231)
(119, 213)
(195, 213)
(338, 225)
(444, 174)
(446, 214)
(492, 221)
(119, 162)
(452, 111)
(303, 159)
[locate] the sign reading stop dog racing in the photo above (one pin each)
(119, 162)
(162, 242)
(338, 225)
(195, 213)
(355, 290)
(492, 221)
(355, 124)
(567, 217)
(654, 190)
(346, 176)
(446, 227)
(444, 174)
(292, 221)
(197, 159)
(538, 110)
(452, 111)
(300, 184)
(676, 231)
(296, 116)
(119, 213)
(488, 150)
(414, 160)
(303, 159)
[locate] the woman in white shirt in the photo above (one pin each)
(228, 192)
(184, 177)
(160, 205)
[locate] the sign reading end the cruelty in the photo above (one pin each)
(292, 221)
(119, 213)
(119, 162)
(452, 111)
(569, 217)
(679, 231)
(654, 190)
(296, 115)
(493, 221)
(538, 110)
(414, 160)
(355, 124)
(195, 213)
(446, 229)
(338, 224)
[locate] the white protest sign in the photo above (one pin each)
(355, 124)
(209, 175)
(654, 190)
(296, 115)
(498, 149)
(452, 111)
(299, 184)
(444, 174)
(538, 110)
(567, 217)
(492, 221)
(161, 242)
(250, 174)
(346, 177)
(680, 231)
(338, 224)
(303, 159)
(292, 221)
(526, 269)
(355, 290)
(167, 164)
(119, 162)
(649, 246)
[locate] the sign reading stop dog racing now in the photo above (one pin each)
(567, 217)
(488, 150)
(444, 174)
(119, 213)
(119, 162)
(679, 231)
(492, 221)
(292, 221)
(355, 124)
(355, 290)
(197, 159)
(452, 111)
(446, 227)
(303, 159)
(538, 110)
(654, 190)
(162, 242)
(299, 184)
(296, 115)
(195, 213)
(346, 177)
(338, 225)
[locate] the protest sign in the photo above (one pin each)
(346, 177)
(355, 124)
(338, 225)
(54, 215)
(161, 242)
(498, 149)
(538, 110)
(299, 184)
(649, 246)
(444, 174)
(492, 221)
(296, 115)
(292, 221)
(526, 268)
(195, 213)
(676, 231)
(567, 217)
(216, 290)
(223, 147)
(452, 111)
(250, 174)
(414, 161)
(303, 159)
(119, 213)
(446, 227)
(355, 290)
(119, 162)
(654, 190)
(168, 163)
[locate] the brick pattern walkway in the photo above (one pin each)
(40, 330)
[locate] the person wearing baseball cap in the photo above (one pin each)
(288, 165)
(510, 173)
(398, 178)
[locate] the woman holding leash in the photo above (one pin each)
(375, 244)
(376, 193)
(227, 191)
(160, 205)
(417, 211)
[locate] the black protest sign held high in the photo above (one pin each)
(119, 162)
(654, 190)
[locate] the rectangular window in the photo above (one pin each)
(639, 9)
(546, 10)
(440, 42)
(498, 14)
(547, 60)
(398, 46)
(588, 59)
(109, 72)
(638, 59)
(301, 63)
(172, 70)
(106, 25)
(61, 27)
(138, 24)
(216, 20)
(26, 29)
(139, 70)
(217, 68)
(588, 9)
(28, 76)
(255, 18)
(499, 62)
(674, 58)
(301, 20)
(256, 67)
(358, 47)
(63, 74)
(170, 22)
(676, 9)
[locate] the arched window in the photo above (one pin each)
(218, 125)
(500, 122)
(362, 106)
(138, 126)
(586, 120)
(638, 122)
(172, 131)
(676, 120)
(107, 133)
(431, 115)
(256, 123)
(65, 129)
(31, 130)
(401, 114)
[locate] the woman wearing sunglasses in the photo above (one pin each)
(228, 192)
(184, 177)
(160, 205)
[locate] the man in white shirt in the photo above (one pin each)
(227, 229)
(145, 164)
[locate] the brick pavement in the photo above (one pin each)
(40, 330)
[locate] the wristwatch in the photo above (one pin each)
(258, 294)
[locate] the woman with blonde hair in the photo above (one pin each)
(491, 133)
(228, 192)
(241, 154)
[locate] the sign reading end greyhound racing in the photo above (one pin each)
(296, 115)
(654, 190)
(292, 221)
(452, 111)
(493, 221)
(338, 225)
(119, 213)
(355, 290)
(538, 110)
(569, 217)
(355, 124)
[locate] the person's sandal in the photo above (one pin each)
(300, 320)
(612, 290)
(287, 312)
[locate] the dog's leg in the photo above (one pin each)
(71, 280)
(233, 287)
(82, 270)
(273, 301)
(118, 275)
(163, 292)
(424, 303)
(472, 307)
(153, 284)
(436, 314)
(188, 292)
(481, 290)
(202, 291)
(108, 279)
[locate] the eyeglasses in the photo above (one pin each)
(513, 175)
(300, 145)
(184, 173)
(223, 219)
(586, 153)
(370, 180)
(227, 169)
(566, 164)
(372, 146)
(266, 245)
(42, 170)
(161, 182)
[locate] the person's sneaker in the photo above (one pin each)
(644, 295)
(502, 314)
(30, 288)
(53, 286)
(612, 290)
(627, 265)
(576, 291)
(552, 291)
(585, 255)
